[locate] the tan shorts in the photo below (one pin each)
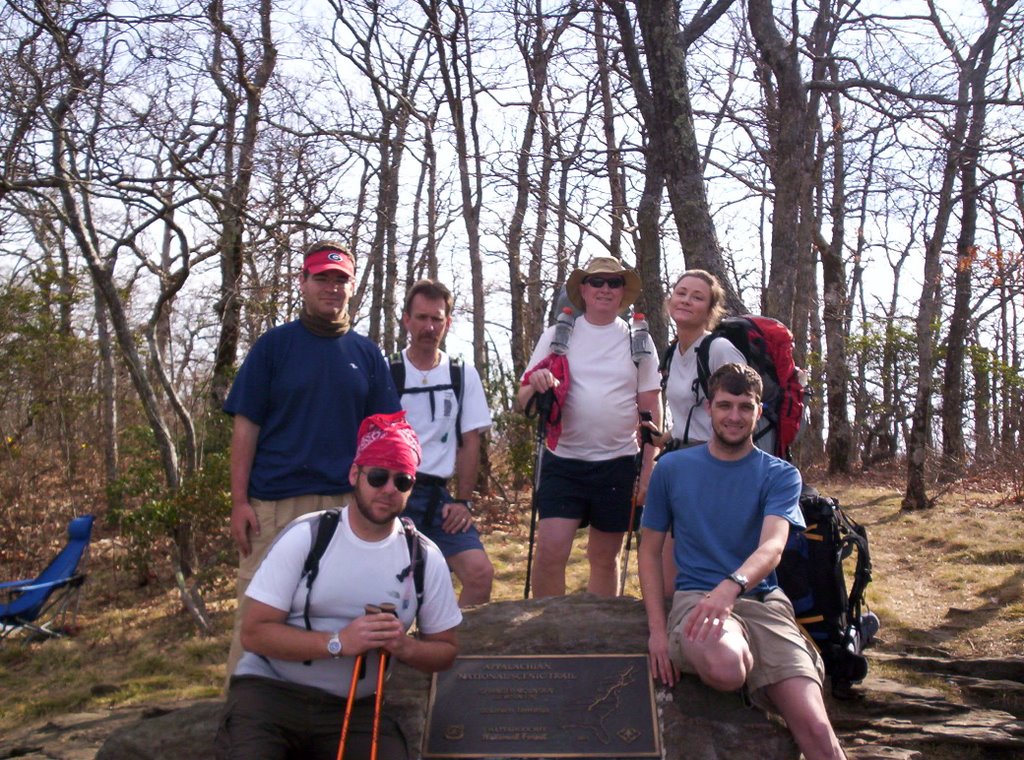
(273, 517)
(778, 645)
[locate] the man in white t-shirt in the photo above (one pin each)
(588, 478)
(446, 406)
(304, 642)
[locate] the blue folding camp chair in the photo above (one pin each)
(39, 607)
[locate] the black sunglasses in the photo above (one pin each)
(378, 476)
(612, 282)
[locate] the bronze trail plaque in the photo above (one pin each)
(546, 706)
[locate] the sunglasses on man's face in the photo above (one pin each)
(612, 282)
(378, 476)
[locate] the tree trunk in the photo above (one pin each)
(672, 139)
(237, 175)
(790, 126)
(979, 56)
(954, 448)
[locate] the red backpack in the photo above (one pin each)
(767, 345)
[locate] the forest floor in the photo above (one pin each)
(948, 580)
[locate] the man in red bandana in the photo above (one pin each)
(289, 690)
(296, 405)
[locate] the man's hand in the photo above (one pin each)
(661, 664)
(456, 517)
(373, 631)
(707, 619)
(543, 380)
(243, 520)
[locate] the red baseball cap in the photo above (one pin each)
(325, 255)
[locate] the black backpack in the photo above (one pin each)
(327, 523)
(457, 373)
(811, 574)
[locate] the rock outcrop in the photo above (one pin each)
(885, 720)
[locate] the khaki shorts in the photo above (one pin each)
(778, 645)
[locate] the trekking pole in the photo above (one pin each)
(645, 440)
(541, 404)
(379, 697)
(357, 666)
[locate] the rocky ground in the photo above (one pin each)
(969, 714)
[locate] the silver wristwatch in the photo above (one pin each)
(334, 645)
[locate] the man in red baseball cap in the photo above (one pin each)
(297, 402)
(328, 274)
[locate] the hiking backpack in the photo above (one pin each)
(457, 375)
(811, 573)
(323, 532)
(767, 346)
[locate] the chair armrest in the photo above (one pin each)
(46, 584)
(15, 584)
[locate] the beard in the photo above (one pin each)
(370, 507)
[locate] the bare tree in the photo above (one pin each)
(672, 148)
(456, 48)
(975, 62)
(240, 68)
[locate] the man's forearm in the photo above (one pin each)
(652, 582)
(766, 557)
(429, 653)
(467, 464)
(244, 436)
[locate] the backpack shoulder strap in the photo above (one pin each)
(703, 366)
(397, 365)
(323, 532)
(457, 371)
(417, 560)
(665, 362)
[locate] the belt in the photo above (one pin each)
(430, 480)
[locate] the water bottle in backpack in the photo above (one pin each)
(563, 330)
(640, 344)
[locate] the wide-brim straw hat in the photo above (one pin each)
(603, 265)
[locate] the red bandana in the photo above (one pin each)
(387, 440)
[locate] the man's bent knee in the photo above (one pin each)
(476, 574)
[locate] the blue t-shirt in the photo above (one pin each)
(308, 395)
(716, 510)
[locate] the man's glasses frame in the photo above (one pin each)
(378, 476)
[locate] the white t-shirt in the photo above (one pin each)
(679, 391)
(437, 435)
(600, 416)
(353, 573)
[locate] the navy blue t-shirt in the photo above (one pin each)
(308, 395)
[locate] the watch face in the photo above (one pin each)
(334, 646)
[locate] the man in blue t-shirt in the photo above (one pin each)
(297, 403)
(730, 507)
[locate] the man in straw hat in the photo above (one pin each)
(297, 403)
(587, 478)
(289, 695)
